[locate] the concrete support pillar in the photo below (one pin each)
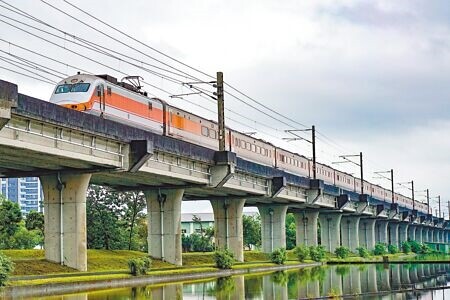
(65, 219)
(425, 234)
(164, 224)
(367, 233)
(306, 223)
(273, 227)
(419, 234)
(412, 232)
(402, 233)
(350, 232)
(351, 282)
(381, 231)
(393, 233)
(228, 225)
(369, 280)
(330, 230)
(433, 235)
(274, 288)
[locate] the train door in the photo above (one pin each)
(101, 98)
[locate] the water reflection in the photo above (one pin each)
(372, 281)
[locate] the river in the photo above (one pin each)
(370, 281)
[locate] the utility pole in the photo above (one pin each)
(313, 142)
(428, 201)
(362, 173)
(297, 137)
(220, 110)
(392, 185)
(360, 165)
(412, 194)
(439, 202)
(448, 205)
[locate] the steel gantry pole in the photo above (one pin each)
(392, 185)
(412, 194)
(220, 111)
(313, 142)
(362, 172)
(428, 200)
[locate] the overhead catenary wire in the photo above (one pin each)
(325, 139)
(29, 76)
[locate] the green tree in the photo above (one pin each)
(290, 231)
(133, 204)
(10, 217)
(251, 230)
(103, 208)
(35, 221)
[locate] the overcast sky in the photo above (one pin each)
(371, 75)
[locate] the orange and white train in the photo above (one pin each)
(103, 95)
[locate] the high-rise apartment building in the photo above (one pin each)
(27, 192)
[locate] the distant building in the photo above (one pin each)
(188, 226)
(27, 192)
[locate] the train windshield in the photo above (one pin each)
(72, 88)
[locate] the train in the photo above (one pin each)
(104, 95)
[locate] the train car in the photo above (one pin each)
(325, 173)
(345, 181)
(252, 149)
(102, 95)
(292, 163)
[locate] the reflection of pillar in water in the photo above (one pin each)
(368, 279)
(413, 275)
(309, 289)
(351, 283)
(272, 290)
(395, 277)
(239, 288)
(404, 275)
(168, 292)
(383, 279)
(332, 284)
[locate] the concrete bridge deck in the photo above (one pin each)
(68, 150)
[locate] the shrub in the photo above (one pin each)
(342, 252)
(302, 252)
(6, 267)
(415, 246)
(139, 266)
(363, 252)
(317, 253)
(392, 249)
(406, 247)
(278, 256)
(380, 249)
(425, 249)
(224, 259)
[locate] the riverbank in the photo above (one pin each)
(198, 266)
(108, 268)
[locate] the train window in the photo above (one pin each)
(248, 146)
(337, 177)
(258, 149)
(108, 91)
(269, 153)
(236, 142)
(150, 105)
(266, 152)
(253, 147)
(242, 144)
(212, 133)
(205, 131)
